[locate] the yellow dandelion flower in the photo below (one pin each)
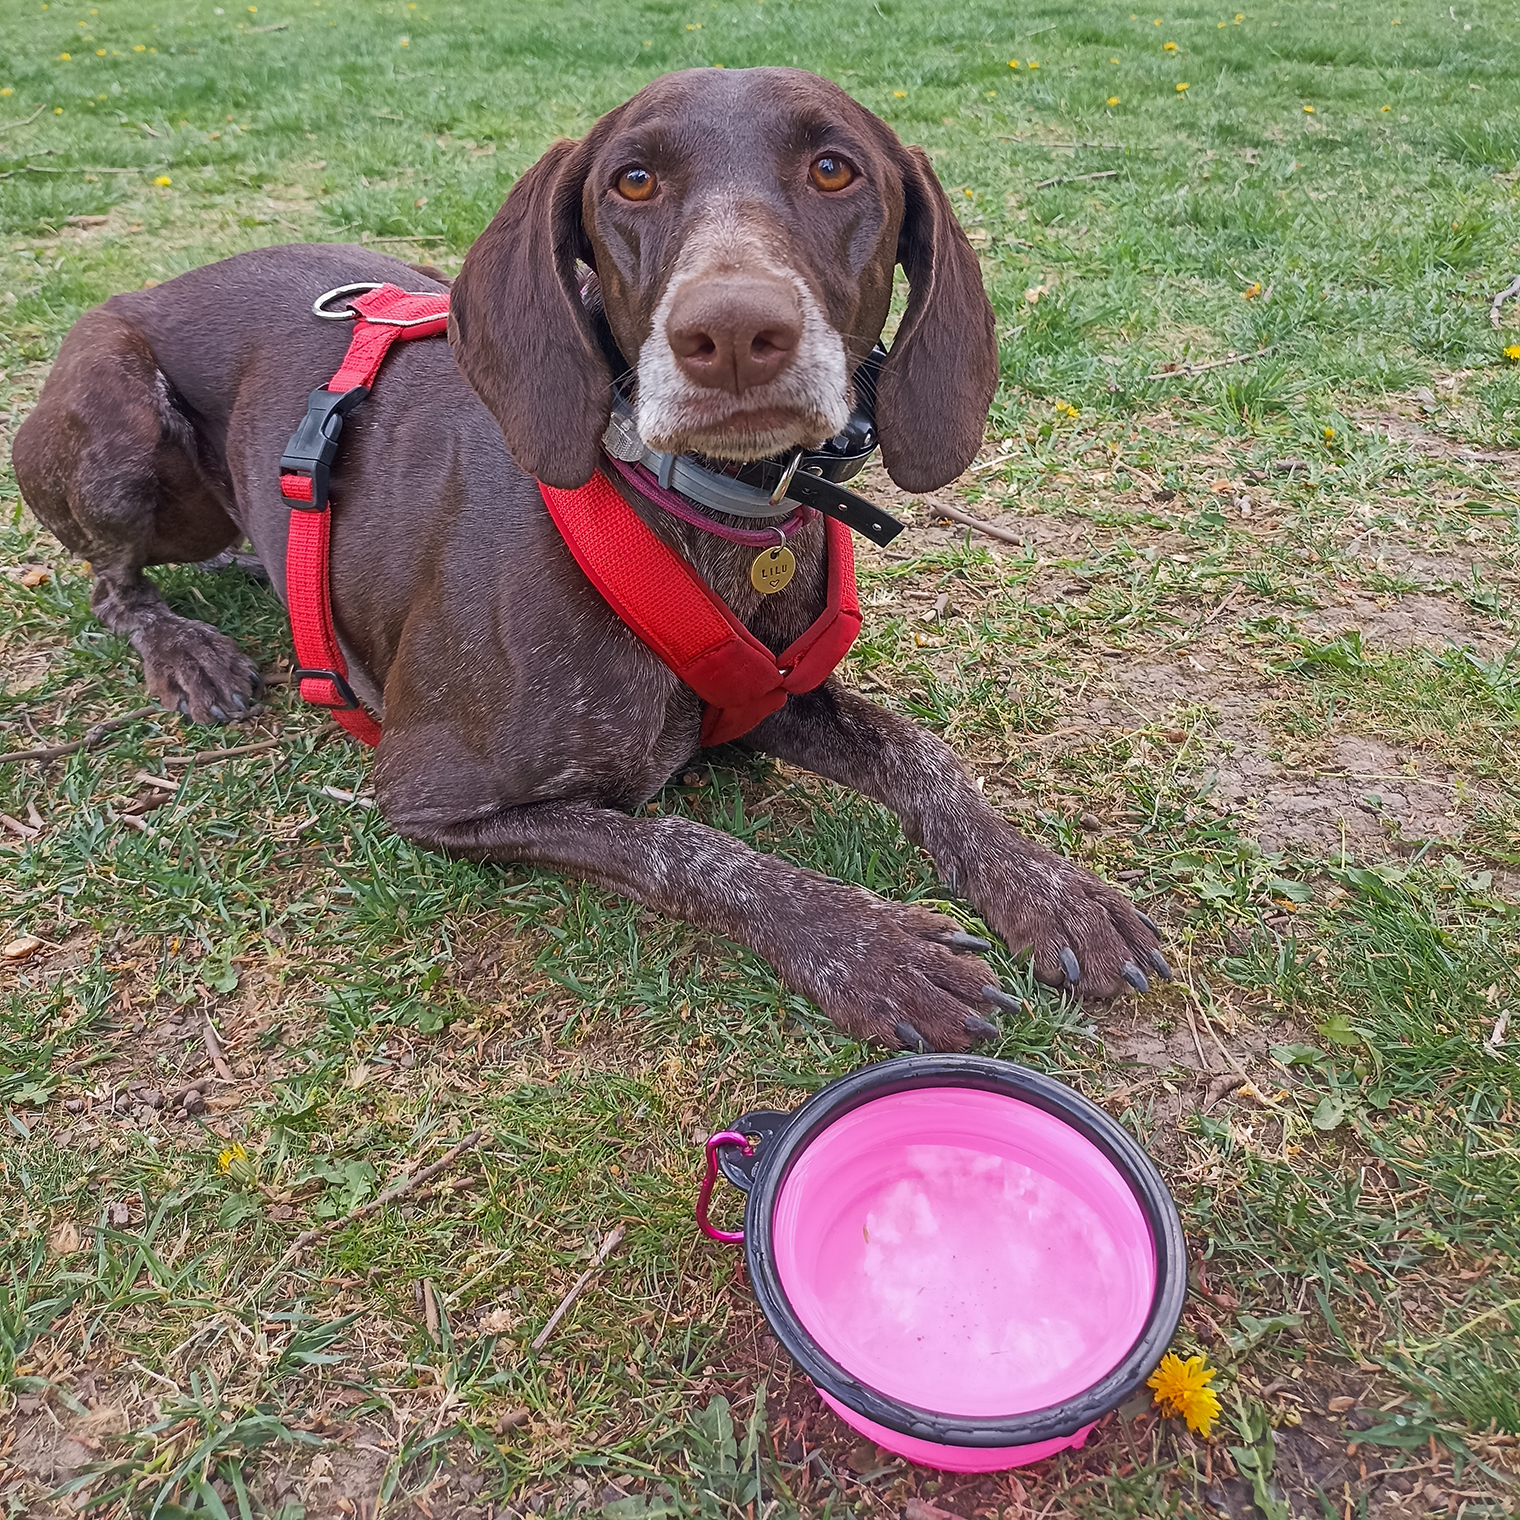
(1512, 353)
(57, 110)
(1329, 434)
(1113, 60)
(1308, 110)
(139, 47)
(1182, 88)
(6, 90)
(1182, 1389)
(100, 52)
(234, 1152)
(991, 94)
(899, 94)
(64, 58)
(1113, 100)
(1168, 47)
(1251, 291)
(162, 181)
(1013, 63)
(1221, 26)
(1033, 64)
(969, 193)
(1387, 109)
(1157, 21)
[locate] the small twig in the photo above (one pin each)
(424, 238)
(1512, 289)
(25, 121)
(1006, 535)
(1198, 369)
(430, 1308)
(1071, 179)
(1203, 1060)
(990, 463)
(16, 826)
(92, 737)
(406, 1185)
(279, 26)
(206, 755)
(214, 1049)
(613, 1237)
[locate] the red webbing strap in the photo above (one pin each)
(380, 312)
(673, 611)
(308, 590)
(387, 315)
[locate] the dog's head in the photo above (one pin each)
(743, 226)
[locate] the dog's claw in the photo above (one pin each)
(1134, 976)
(982, 1029)
(217, 713)
(184, 707)
(1069, 965)
(1149, 922)
(1000, 999)
(968, 942)
(240, 702)
(1159, 966)
(908, 1037)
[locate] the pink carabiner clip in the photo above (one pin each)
(704, 1193)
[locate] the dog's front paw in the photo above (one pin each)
(196, 671)
(901, 975)
(1080, 932)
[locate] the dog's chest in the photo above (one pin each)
(775, 618)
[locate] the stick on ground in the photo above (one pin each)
(607, 1246)
(92, 737)
(206, 756)
(214, 1050)
(405, 1185)
(1007, 535)
(1512, 289)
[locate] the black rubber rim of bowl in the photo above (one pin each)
(784, 1143)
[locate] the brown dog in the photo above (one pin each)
(743, 227)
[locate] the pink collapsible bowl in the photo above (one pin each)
(971, 1262)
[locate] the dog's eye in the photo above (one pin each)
(635, 184)
(831, 172)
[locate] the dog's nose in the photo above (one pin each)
(734, 332)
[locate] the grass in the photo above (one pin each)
(1254, 658)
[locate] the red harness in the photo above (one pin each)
(650, 587)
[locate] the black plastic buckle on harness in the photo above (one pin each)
(314, 445)
(350, 702)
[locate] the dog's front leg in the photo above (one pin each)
(1079, 930)
(882, 970)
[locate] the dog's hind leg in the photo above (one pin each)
(110, 463)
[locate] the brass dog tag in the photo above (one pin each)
(773, 570)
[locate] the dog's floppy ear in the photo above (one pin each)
(519, 331)
(939, 379)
